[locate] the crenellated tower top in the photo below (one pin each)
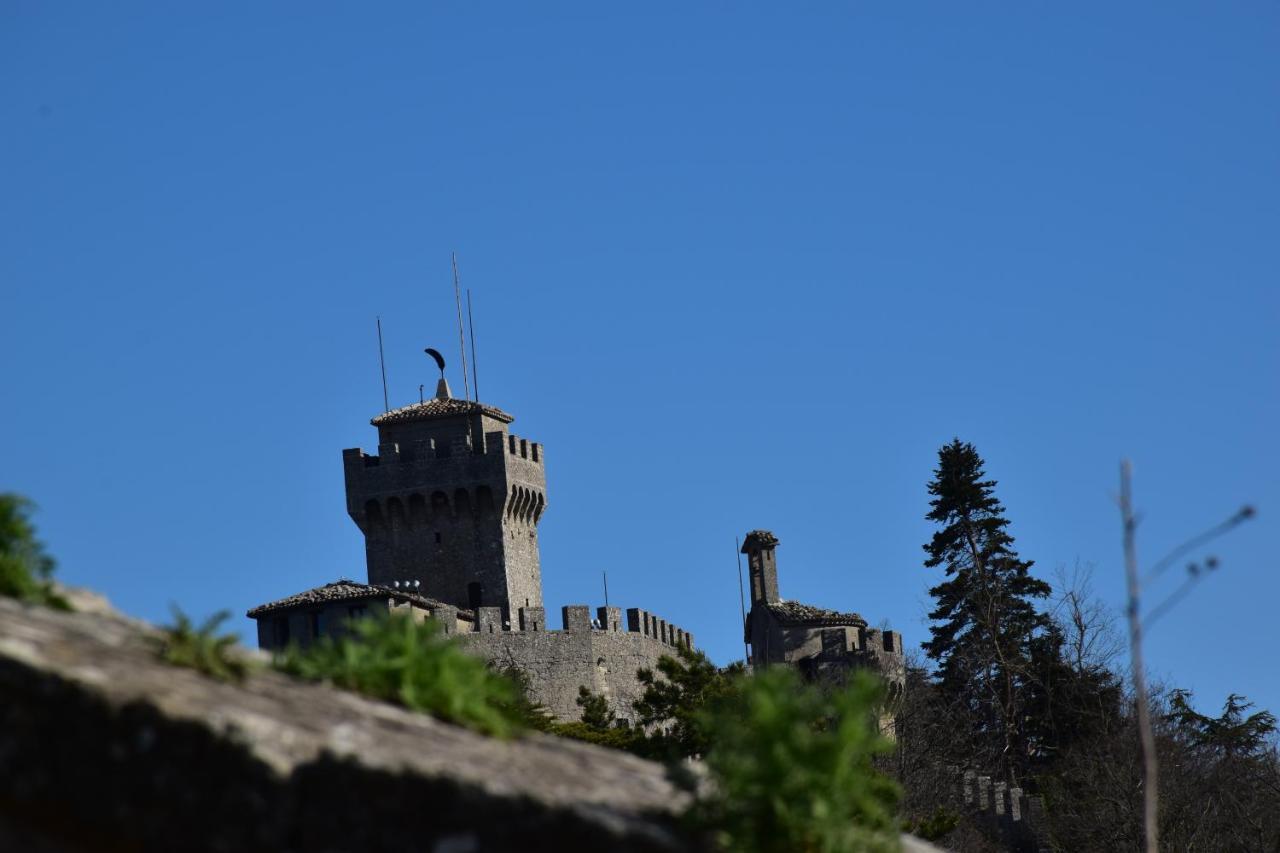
(452, 500)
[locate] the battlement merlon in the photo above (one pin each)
(431, 451)
(577, 618)
(397, 472)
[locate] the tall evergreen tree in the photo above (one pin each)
(985, 619)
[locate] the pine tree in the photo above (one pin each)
(985, 620)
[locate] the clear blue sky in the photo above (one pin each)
(737, 265)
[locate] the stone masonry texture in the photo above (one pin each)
(103, 747)
(452, 501)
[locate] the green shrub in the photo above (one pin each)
(936, 826)
(26, 571)
(396, 659)
(622, 738)
(601, 727)
(203, 648)
(683, 688)
(595, 710)
(790, 768)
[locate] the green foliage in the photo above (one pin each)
(202, 649)
(936, 826)
(791, 768)
(1232, 734)
(984, 617)
(621, 737)
(396, 659)
(600, 726)
(1066, 705)
(595, 710)
(674, 696)
(26, 571)
(683, 688)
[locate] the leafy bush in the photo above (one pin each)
(936, 826)
(790, 768)
(595, 710)
(26, 571)
(203, 648)
(600, 726)
(683, 688)
(396, 659)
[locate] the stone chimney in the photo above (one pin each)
(763, 566)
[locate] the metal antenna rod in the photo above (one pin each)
(386, 404)
(462, 344)
(605, 575)
(742, 603)
(471, 331)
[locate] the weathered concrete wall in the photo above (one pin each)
(103, 747)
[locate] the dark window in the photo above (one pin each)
(314, 621)
(357, 611)
(437, 537)
(282, 630)
(475, 595)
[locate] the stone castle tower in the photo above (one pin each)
(449, 508)
(452, 502)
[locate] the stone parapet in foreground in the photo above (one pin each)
(105, 747)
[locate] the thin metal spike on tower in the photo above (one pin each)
(462, 343)
(471, 332)
(382, 362)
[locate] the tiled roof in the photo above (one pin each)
(438, 407)
(345, 590)
(795, 613)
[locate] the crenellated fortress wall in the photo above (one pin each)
(601, 653)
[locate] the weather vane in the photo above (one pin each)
(438, 357)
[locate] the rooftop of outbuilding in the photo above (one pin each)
(795, 613)
(348, 590)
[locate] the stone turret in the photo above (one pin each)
(820, 643)
(452, 501)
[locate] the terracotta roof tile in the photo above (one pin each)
(345, 590)
(795, 613)
(438, 407)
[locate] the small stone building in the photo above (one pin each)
(820, 643)
(449, 508)
(327, 610)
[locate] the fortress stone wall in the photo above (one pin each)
(601, 654)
